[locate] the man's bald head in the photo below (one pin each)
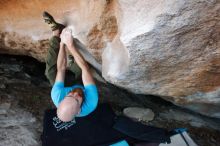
(69, 106)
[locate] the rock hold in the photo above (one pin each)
(140, 114)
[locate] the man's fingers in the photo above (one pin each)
(66, 36)
(63, 31)
(68, 31)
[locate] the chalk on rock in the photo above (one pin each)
(140, 114)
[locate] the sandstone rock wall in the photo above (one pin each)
(168, 48)
(174, 52)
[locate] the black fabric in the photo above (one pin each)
(147, 144)
(100, 128)
(141, 132)
(92, 130)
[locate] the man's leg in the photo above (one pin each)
(51, 67)
(51, 60)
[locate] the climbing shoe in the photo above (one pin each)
(52, 23)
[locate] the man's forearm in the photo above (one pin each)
(86, 74)
(66, 38)
(61, 64)
(79, 58)
(61, 59)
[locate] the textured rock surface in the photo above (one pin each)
(27, 90)
(167, 48)
(23, 86)
(17, 128)
(23, 31)
(172, 51)
(140, 114)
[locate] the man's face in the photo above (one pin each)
(77, 101)
(70, 106)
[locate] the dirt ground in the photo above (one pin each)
(32, 91)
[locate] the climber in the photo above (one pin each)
(76, 100)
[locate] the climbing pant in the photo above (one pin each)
(51, 61)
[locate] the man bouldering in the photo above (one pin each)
(75, 100)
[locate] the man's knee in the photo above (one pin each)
(55, 42)
(50, 76)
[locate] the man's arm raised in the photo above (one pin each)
(61, 64)
(66, 38)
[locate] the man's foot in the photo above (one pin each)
(52, 23)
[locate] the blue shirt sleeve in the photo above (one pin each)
(90, 101)
(57, 93)
(121, 143)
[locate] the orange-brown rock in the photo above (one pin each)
(168, 48)
(23, 31)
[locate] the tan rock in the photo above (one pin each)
(168, 48)
(140, 114)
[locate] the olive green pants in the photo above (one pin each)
(51, 61)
